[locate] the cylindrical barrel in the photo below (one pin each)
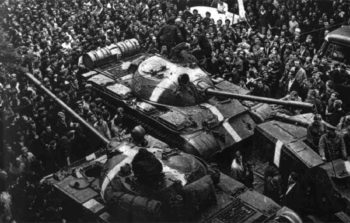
(89, 59)
(66, 107)
(296, 104)
(123, 48)
(101, 55)
(129, 46)
(136, 43)
(106, 52)
(132, 45)
(112, 52)
(115, 50)
(96, 57)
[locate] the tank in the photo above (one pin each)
(322, 191)
(179, 104)
(125, 182)
(105, 188)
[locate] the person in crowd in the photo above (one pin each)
(117, 129)
(291, 84)
(138, 134)
(238, 167)
(102, 126)
(315, 130)
(260, 89)
(222, 7)
(26, 157)
(249, 175)
(330, 104)
(332, 146)
(170, 34)
(313, 98)
(293, 24)
(290, 197)
(273, 182)
(336, 113)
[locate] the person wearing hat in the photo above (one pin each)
(332, 146)
(138, 134)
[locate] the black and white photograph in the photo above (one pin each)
(213, 111)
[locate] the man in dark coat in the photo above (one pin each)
(170, 34)
(292, 84)
(290, 196)
(261, 89)
(332, 146)
(272, 182)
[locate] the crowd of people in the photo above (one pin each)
(272, 52)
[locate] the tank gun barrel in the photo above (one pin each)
(297, 104)
(66, 107)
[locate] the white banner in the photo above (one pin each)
(241, 9)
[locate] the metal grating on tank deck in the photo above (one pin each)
(235, 212)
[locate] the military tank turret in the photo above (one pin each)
(155, 184)
(177, 103)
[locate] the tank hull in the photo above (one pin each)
(79, 186)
